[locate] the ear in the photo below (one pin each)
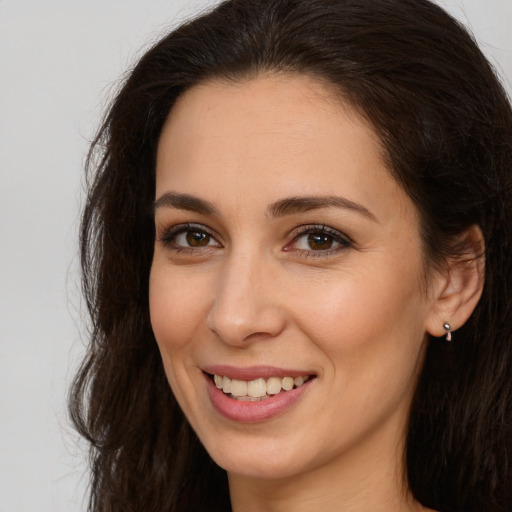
(456, 287)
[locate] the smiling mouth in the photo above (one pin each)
(257, 390)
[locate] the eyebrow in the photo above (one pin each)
(281, 208)
(301, 204)
(184, 202)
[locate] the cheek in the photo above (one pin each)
(355, 309)
(370, 325)
(175, 311)
(175, 308)
(371, 334)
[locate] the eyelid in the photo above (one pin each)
(338, 236)
(169, 234)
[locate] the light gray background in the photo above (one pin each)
(58, 61)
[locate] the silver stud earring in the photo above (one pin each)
(448, 328)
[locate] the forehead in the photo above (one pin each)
(278, 135)
(275, 101)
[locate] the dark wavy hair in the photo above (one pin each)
(445, 124)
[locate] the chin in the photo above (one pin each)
(260, 468)
(266, 460)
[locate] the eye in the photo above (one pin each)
(193, 238)
(186, 236)
(318, 240)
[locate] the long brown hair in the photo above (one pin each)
(446, 126)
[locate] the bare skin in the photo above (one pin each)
(284, 242)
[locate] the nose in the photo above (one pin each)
(246, 306)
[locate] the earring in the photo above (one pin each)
(448, 328)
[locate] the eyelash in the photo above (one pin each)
(169, 239)
(169, 236)
(319, 229)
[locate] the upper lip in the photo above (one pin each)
(254, 372)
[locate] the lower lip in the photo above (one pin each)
(253, 412)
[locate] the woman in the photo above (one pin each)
(295, 255)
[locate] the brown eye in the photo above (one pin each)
(189, 237)
(197, 238)
(319, 241)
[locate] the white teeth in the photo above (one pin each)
(248, 399)
(299, 381)
(226, 384)
(238, 387)
(257, 389)
(274, 385)
(288, 383)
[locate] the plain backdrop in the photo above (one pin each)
(59, 63)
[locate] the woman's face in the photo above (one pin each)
(285, 250)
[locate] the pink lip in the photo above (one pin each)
(254, 372)
(253, 412)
